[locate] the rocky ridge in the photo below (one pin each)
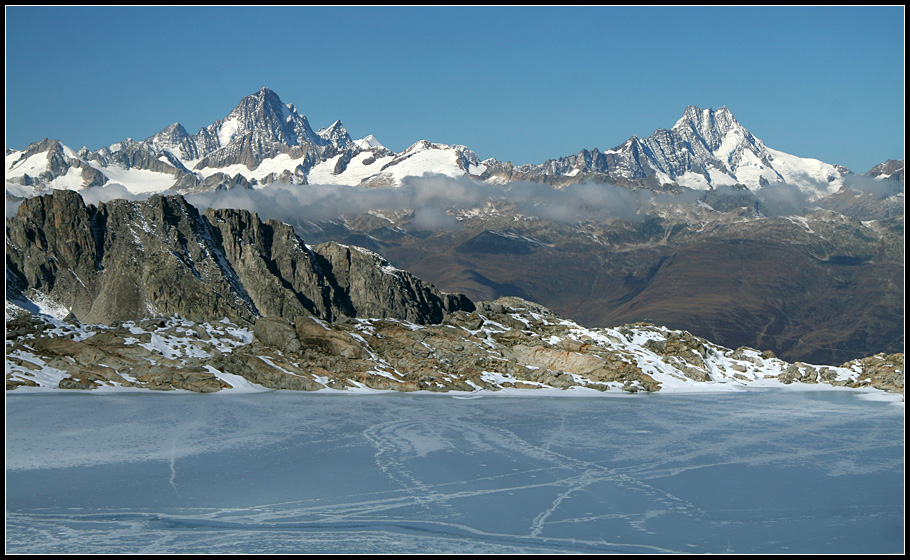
(506, 344)
(126, 260)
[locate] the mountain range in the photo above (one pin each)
(264, 141)
(718, 234)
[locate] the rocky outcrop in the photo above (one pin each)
(369, 286)
(506, 344)
(120, 356)
(125, 260)
(882, 371)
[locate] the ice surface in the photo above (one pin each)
(758, 471)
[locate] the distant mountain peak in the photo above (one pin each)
(172, 134)
(336, 134)
(263, 96)
(369, 142)
(261, 106)
(263, 125)
(332, 128)
(707, 121)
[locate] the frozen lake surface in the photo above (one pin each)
(756, 471)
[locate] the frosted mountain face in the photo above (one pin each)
(259, 127)
(49, 164)
(336, 135)
(706, 148)
(260, 134)
(176, 139)
(892, 170)
(380, 167)
(263, 140)
(264, 116)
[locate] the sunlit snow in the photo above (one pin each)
(277, 165)
(361, 166)
(811, 176)
(137, 181)
(227, 130)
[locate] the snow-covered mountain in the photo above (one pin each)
(263, 140)
(706, 148)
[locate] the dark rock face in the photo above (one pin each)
(368, 286)
(127, 260)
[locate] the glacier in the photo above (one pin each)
(760, 470)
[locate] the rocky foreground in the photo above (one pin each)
(509, 343)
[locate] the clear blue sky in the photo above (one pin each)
(518, 83)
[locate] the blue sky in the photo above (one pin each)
(518, 83)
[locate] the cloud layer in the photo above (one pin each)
(431, 200)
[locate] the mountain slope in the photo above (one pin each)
(823, 287)
(824, 284)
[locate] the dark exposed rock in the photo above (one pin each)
(126, 260)
(368, 286)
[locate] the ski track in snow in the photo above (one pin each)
(184, 429)
(395, 446)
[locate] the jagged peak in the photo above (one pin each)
(886, 168)
(335, 134)
(419, 146)
(172, 132)
(45, 145)
(335, 127)
(702, 119)
(263, 112)
(336, 124)
(264, 95)
(262, 98)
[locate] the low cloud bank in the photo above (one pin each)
(781, 199)
(869, 185)
(111, 191)
(432, 198)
